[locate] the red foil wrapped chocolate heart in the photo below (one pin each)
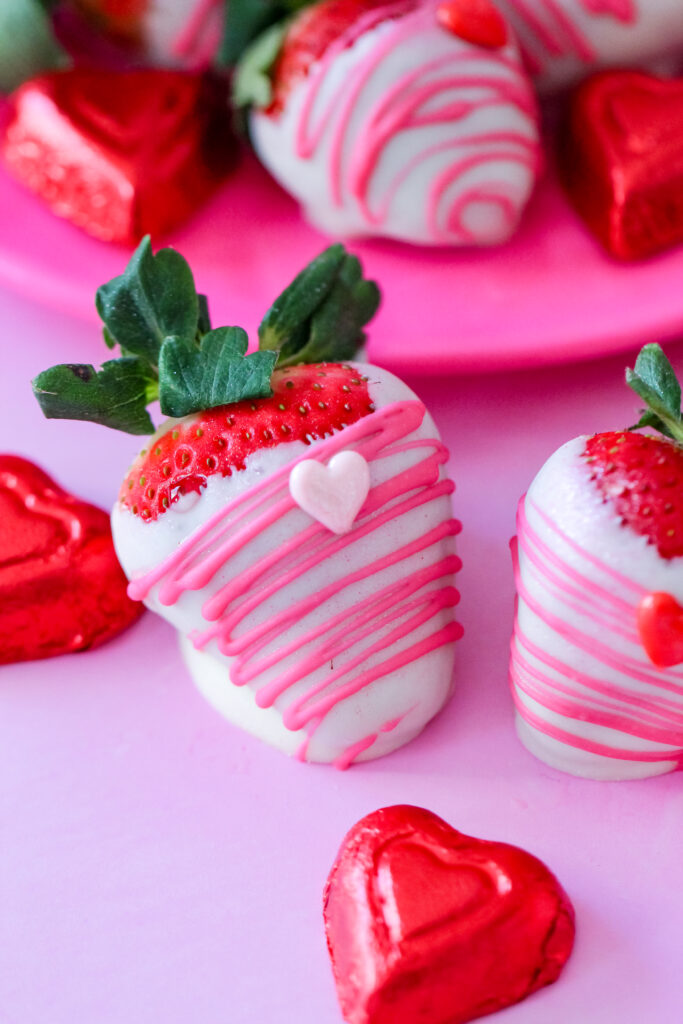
(428, 926)
(61, 586)
(622, 161)
(122, 154)
(660, 625)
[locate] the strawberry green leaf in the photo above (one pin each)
(216, 373)
(654, 380)
(320, 316)
(252, 85)
(115, 396)
(28, 45)
(154, 297)
(246, 19)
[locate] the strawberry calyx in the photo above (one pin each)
(309, 402)
(169, 352)
(641, 475)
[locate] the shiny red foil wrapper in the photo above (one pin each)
(622, 161)
(121, 154)
(428, 926)
(61, 586)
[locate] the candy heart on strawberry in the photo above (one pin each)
(119, 153)
(410, 119)
(597, 654)
(61, 587)
(320, 620)
(426, 925)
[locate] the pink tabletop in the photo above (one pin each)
(159, 865)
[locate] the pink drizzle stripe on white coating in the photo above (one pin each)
(409, 105)
(655, 715)
(198, 41)
(386, 617)
(549, 31)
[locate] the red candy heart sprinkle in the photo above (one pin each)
(61, 586)
(428, 926)
(475, 21)
(622, 161)
(660, 624)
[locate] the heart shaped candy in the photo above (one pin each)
(334, 493)
(120, 153)
(622, 161)
(428, 926)
(61, 586)
(660, 625)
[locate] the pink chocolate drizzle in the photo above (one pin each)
(558, 33)
(384, 619)
(355, 155)
(610, 600)
(200, 37)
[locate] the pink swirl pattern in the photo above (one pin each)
(462, 123)
(390, 619)
(626, 694)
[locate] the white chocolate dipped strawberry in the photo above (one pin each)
(293, 524)
(168, 32)
(597, 653)
(563, 40)
(405, 119)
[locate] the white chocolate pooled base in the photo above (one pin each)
(490, 137)
(563, 493)
(389, 711)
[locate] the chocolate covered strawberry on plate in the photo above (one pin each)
(292, 518)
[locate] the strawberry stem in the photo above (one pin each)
(654, 380)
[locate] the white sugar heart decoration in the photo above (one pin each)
(333, 493)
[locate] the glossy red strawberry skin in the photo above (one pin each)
(311, 33)
(642, 477)
(308, 403)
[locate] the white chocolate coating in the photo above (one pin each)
(406, 131)
(576, 650)
(563, 40)
(377, 717)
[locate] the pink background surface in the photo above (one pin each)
(158, 865)
(550, 295)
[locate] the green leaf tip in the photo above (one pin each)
(153, 298)
(245, 20)
(115, 396)
(653, 379)
(321, 315)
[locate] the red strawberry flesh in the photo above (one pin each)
(309, 37)
(308, 403)
(642, 477)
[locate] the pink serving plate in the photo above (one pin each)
(549, 296)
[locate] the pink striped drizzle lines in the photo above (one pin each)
(608, 600)
(409, 105)
(200, 37)
(553, 30)
(383, 620)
